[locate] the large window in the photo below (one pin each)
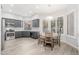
(60, 24)
(53, 25)
(45, 25)
(57, 25)
(70, 24)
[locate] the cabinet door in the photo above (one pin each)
(35, 35)
(25, 34)
(9, 22)
(35, 23)
(18, 34)
(17, 23)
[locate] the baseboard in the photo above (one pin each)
(70, 44)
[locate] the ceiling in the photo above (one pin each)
(32, 9)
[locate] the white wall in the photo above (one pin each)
(0, 28)
(78, 26)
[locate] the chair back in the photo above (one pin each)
(48, 37)
(48, 34)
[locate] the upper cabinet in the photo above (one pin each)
(12, 22)
(18, 23)
(9, 22)
(35, 23)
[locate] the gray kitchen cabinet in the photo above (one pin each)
(12, 22)
(17, 23)
(35, 23)
(25, 33)
(9, 22)
(32, 34)
(18, 34)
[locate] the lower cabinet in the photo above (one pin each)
(25, 34)
(19, 34)
(34, 35)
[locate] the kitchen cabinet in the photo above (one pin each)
(35, 23)
(18, 34)
(25, 33)
(17, 23)
(12, 22)
(22, 34)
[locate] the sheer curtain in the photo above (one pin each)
(70, 24)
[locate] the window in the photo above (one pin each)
(60, 24)
(45, 26)
(53, 26)
(57, 25)
(70, 24)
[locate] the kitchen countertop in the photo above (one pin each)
(27, 30)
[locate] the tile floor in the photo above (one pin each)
(29, 46)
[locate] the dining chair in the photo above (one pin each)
(56, 38)
(49, 40)
(41, 39)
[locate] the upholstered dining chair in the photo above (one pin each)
(56, 38)
(41, 39)
(49, 40)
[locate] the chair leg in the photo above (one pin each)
(43, 43)
(59, 42)
(52, 45)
